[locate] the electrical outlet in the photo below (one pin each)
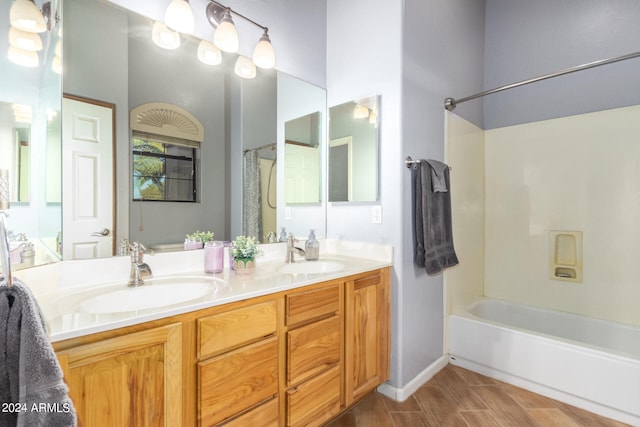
(287, 213)
(376, 214)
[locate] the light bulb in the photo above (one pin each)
(360, 112)
(25, 15)
(23, 57)
(264, 55)
(179, 17)
(245, 67)
(24, 40)
(226, 36)
(164, 37)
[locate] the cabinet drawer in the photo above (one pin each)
(307, 305)
(226, 330)
(312, 349)
(265, 415)
(315, 401)
(235, 381)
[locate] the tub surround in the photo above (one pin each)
(589, 363)
(57, 286)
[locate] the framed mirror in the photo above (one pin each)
(353, 151)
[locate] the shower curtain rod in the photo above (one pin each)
(451, 103)
(273, 145)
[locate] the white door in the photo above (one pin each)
(87, 180)
(302, 174)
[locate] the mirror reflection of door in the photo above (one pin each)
(88, 178)
(302, 159)
(340, 168)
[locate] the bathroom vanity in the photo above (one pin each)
(298, 352)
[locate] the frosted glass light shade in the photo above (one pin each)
(226, 35)
(56, 65)
(164, 37)
(245, 67)
(263, 55)
(24, 40)
(360, 112)
(25, 15)
(179, 17)
(209, 53)
(26, 58)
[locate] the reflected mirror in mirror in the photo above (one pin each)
(353, 151)
(302, 159)
(15, 142)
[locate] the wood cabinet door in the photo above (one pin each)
(366, 334)
(315, 401)
(132, 380)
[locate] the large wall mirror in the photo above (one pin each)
(109, 57)
(29, 138)
(353, 151)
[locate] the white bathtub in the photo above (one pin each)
(585, 362)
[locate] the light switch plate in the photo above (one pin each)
(376, 214)
(287, 213)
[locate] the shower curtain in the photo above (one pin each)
(252, 197)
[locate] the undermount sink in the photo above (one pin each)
(311, 267)
(155, 293)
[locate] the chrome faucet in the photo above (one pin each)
(139, 269)
(292, 250)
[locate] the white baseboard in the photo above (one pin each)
(402, 394)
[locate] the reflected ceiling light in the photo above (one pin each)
(25, 15)
(263, 55)
(360, 112)
(56, 64)
(22, 113)
(165, 37)
(209, 53)
(24, 40)
(179, 17)
(245, 67)
(26, 58)
(226, 35)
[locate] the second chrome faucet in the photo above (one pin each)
(139, 269)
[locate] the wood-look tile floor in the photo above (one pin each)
(458, 397)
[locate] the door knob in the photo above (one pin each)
(104, 233)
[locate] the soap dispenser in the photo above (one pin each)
(283, 234)
(312, 248)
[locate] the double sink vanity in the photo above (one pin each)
(293, 344)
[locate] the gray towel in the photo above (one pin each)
(31, 374)
(433, 236)
(438, 181)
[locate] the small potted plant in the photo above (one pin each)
(245, 249)
(197, 240)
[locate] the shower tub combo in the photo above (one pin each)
(586, 362)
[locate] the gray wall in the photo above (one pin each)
(177, 77)
(526, 39)
(442, 55)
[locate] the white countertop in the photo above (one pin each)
(61, 302)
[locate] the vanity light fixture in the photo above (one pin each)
(264, 55)
(165, 37)
(360, 111)
(26, 58)
(226, 36)
(179, 17)
(25, 15)
(24, 40)
(209, 53)
(245, 67)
